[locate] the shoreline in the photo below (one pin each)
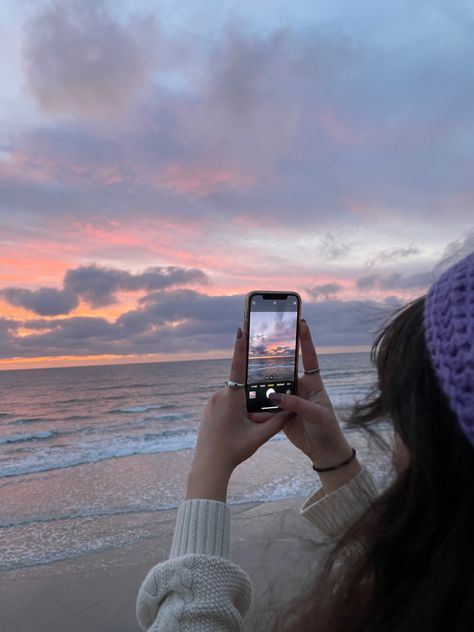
(96, 591)
(115, 503)
(237, 508)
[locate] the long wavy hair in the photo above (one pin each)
(408, 563)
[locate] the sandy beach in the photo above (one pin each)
(96, 592)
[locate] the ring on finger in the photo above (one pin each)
(232, 384)
(311, 371)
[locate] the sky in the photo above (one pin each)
(159, 160)
(272, 334)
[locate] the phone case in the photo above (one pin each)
(247, 303)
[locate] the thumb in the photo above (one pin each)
(296, 405)
(273, 425)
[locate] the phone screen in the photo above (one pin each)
(272, 347)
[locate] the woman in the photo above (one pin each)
(404, 560)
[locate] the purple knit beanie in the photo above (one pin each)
(449, 333)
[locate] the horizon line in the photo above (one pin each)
(108, 364)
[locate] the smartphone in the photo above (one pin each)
(271, 323)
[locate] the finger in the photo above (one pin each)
(271, 427)
(237, 369)
(298, 405)
(308, 352)
(261, 417)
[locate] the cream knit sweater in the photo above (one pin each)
(198, 589)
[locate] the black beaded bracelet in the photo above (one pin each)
(335, 467)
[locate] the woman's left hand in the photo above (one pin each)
(228, 434)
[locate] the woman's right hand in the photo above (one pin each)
(315, 428)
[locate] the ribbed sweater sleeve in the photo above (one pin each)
(197, 589)
(202, 526)
(335, 513)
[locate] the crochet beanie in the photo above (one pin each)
(449, 334)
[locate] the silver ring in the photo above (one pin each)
(311, 371)
(232, 384)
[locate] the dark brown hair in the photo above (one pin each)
(408, 562)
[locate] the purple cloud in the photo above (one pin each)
(80, 60)
(302, 124)
(178, 321)
(45, 302)
(97, 286)
(325, 290)
(394, 254)
(396, 281)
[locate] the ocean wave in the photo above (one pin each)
(208, 388)
(35, 420)
(16, 450)
(71, 418)
(83, 400)
(143, 408)
(254, 366)
(113, 387)
(28, 420)
(169, 417)
(99, 512)
(100, 449)
(35, 436)
(333, 374)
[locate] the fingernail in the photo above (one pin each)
(239, 333)
(276, 398)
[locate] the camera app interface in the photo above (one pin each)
(272, 349)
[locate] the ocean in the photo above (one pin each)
(89, 454)
(281, 368)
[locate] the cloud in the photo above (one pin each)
(396, 281)
(282, 350)
(457, 250)
(306, 126)
(80, 60)
(45, 302)
(393, 301)
(97, 286)
(253, 140)
(454, 251)
(332, 247)
(258, 349)
(188, 305)
(368, 282)
(8, 324)
(393, 255)
(174, 321)
(181, 321)
(326, 290)
(8, 337)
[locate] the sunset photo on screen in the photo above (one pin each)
(272, 342)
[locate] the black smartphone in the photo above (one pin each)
(271, 322)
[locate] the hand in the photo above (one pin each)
(228, 434)
(315, 429)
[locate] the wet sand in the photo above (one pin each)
(96, 592)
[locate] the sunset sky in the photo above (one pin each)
(272, 334)
(158, 160)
